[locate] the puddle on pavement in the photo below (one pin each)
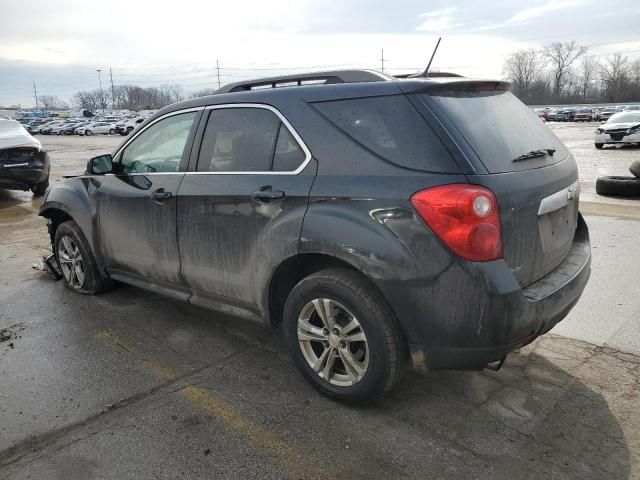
(17, 205)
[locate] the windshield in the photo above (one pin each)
(625, 117)
(500, 128)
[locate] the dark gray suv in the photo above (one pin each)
(379, 220)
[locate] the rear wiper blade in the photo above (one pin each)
(535, 154)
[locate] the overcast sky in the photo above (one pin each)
(60, 44)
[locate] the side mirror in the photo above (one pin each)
(100, 165)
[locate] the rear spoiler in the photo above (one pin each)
(454, 85)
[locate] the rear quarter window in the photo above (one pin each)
(391, 128)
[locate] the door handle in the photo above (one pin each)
(266, 194)
(159, 195)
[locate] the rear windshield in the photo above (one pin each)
(392, 129)
(500, 128)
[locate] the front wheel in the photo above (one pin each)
(112, 132)
(599, 145)
(343, 337)
(88, 132)
(76, 261)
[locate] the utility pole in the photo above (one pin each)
(218, 69)
(113, 92)
(382, 61)
(35, 94)
(101, 94)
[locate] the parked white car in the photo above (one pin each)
(621, 128)
(104, 128)
(127, 126)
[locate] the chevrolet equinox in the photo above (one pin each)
(382, 222)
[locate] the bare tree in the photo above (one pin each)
(203, 92)
(561, 56)
(589, 66)
(615, 73)
(523, 68)
(50, 101)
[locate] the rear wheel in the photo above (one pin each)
(599, 145)
(343, 337)
(76, 261)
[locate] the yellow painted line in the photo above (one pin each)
(288, 456)
(157, 370)
(292, 459)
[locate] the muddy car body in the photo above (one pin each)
(372, 216)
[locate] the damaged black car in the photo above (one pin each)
(24, 165)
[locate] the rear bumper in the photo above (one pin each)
(476, 314)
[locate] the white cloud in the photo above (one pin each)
(437, 20)
(543, 9)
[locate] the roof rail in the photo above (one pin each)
(323, 78)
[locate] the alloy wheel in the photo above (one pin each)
(71, 262)
(333, 342)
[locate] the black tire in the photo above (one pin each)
(618, 186)
(40, 188)
(388, 352)
(94, 282)
(599, 145)
(635, 168)
(112, 132)
(88, 132)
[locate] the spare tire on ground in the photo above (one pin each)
(635, 168)
(618, 186)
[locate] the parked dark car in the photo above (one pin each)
(23, 163)
(378, 220)
(557, 116)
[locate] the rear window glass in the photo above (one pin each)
(391, 128)
(499, 128)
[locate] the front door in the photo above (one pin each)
(136, 207)
(240, 212)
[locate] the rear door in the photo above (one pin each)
(241, 205)
(537, 192)
(136, 208)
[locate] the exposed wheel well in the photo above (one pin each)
(56, 217)
(291, 271)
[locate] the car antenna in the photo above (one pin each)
(426, 70)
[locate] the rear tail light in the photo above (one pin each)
(25, 149)
(464, 217)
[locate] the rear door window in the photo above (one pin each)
(499, 128)
(248, 140)
(391, 128)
